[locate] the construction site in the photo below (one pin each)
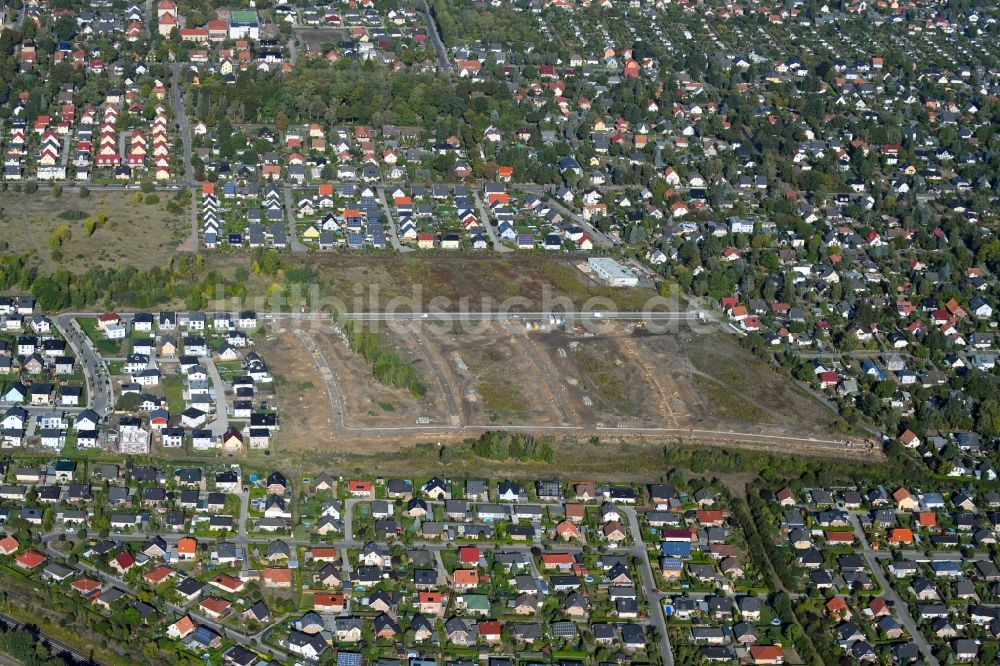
(618, 380)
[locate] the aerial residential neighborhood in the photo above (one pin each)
(499, 333)
(209, 562)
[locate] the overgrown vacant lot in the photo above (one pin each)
(135, 234)
(500, 397)
(606, 375)
(597, 380)
(375, 281)
(315, 38)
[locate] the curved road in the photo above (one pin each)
(95, 371)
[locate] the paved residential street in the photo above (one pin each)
(95, 370)
(442, 54)
(177, 103)
(655, 599)
(898, 605)
(294, 243)
(221, 422)
(599, 238)
(487, 222)
(391, 223)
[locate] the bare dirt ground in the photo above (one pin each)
(373, 404)
(609, 381)
(653, 368)
(565, 385)
(496, 379)
(505, 375)
(302, 402)
(309, 421)
(714, 384)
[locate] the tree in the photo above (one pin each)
(281, 121)
(988, 418)
(128, 402)
(637, 234)
(59, 236)
(64, 27)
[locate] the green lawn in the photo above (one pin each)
(104, 346)
(89, 326)
(173, 387)
(110, 347)
(229, 369)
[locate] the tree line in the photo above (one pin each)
(387, 366)
(510, 446)
(21, 645)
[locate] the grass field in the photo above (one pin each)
(228, 369)
(173, 388)
(743, 388)
(136, 234)
(145, 236)
(501, 398)
(574, 459)
(730, 404)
